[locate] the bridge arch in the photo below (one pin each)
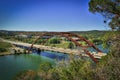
(68, 36)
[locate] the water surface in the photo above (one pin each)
(13, 64)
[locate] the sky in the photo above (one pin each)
(48, 15)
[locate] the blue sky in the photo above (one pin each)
(48, 15)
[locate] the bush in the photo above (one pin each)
(54, 41)
(3, 49)
(97, 41)
(70, 45)
(4, 46)
(26, 75)
(75, 70)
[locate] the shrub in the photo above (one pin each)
(54, 41)
(70, 45)
(3, 49)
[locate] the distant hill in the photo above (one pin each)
(91, 31)
(78, 32)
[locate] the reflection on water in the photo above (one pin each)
(54, 55)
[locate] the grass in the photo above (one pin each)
(4, 47)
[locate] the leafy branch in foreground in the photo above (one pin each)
(110, 9)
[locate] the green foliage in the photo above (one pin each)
(40, 41)
(4, 46)
(45, 67)
(75, 70)
(30, 41)
(97, 41)
(70, 45)
(108, 38)
(44, 71)
(54, 41)
(61, 45)
(53, 45)
(3, 49)
(26, 75)
(85, 37)
(110, 9)
(109, 67)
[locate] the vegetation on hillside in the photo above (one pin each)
(109, 66)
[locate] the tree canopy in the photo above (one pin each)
(54, 41)
(110, 9)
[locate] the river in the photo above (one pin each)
(11, 65)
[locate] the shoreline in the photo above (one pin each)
(54, 49)
(12, 51)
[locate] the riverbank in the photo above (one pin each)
(55, 49)
(9, 49)
(12, 51)
(5, 48)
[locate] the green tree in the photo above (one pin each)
(70, 45)
(109, 66)
(54, 41)
(41, 41)
(45, 71)
(97, 41)
(76, 69)
(110, 9)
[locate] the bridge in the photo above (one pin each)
(70, 36)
